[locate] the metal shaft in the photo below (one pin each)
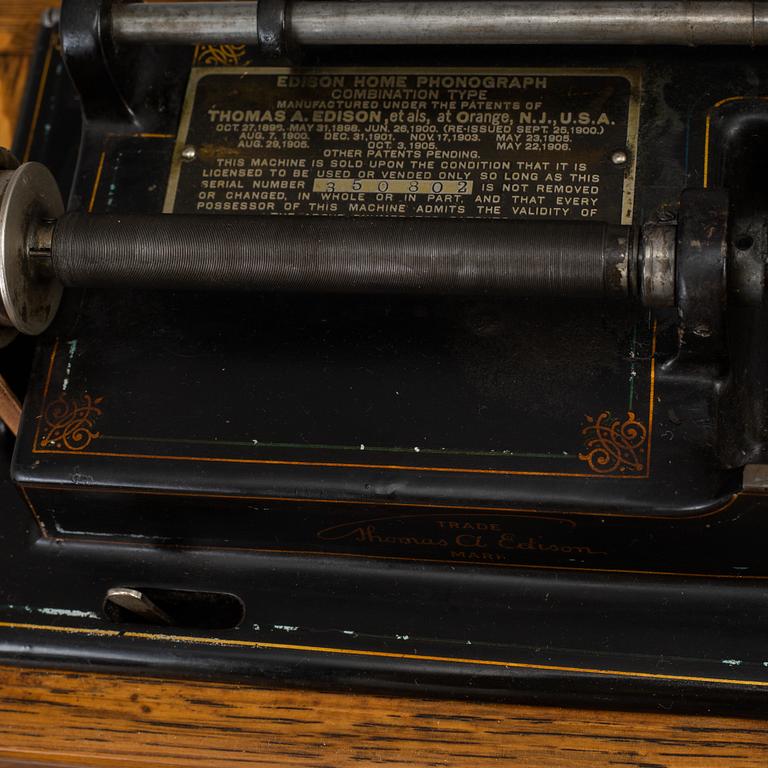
(454, 22)
(573, 259)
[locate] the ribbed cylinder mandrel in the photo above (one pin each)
(351, 255)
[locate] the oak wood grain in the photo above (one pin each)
(69, 718)
(19, 20)
(13, 75)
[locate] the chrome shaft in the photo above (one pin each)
(454, 22)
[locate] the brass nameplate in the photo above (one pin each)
(472, 143)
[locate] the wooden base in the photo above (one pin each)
(19, 21)
(68, 718)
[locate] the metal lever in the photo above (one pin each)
(137, 603)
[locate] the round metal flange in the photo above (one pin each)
(8, 164)
(29, 196)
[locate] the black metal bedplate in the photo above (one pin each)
(404, 492)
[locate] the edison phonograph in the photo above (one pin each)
(413, 346)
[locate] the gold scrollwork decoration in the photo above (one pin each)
(613, 445)
(219, 55)
(69, 422)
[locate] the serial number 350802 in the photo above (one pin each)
(396, 186)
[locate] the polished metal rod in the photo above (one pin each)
(455, 22)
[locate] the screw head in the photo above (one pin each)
(188, 153)
(702, 330)
(619, 157)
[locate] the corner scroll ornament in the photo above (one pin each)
(69, 422)
(613, 445)
(219, 55)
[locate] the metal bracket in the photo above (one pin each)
(271, 20)
(702, 250)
